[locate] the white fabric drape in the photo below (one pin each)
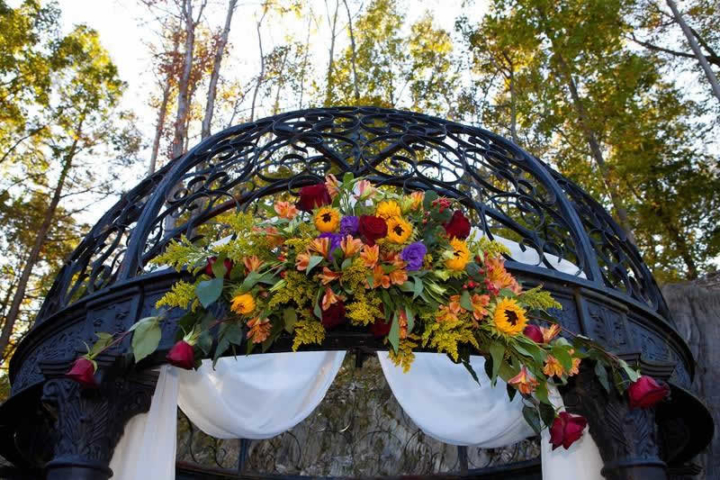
(256, 396)
(446, 403)
(147, 448)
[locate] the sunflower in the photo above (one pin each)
(327, 220)
(460, 256)
(509, 317)
(399, 230)
(243, 304)
(388, 209)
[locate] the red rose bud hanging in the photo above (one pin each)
(83, 372)
(646, 392)
(566, 429)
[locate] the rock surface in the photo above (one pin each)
(695, 307)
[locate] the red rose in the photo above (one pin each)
(83, 372)
(458, 226)
(534, 333)
(313, 196)
(566, 429)
(372, 228)
(211, 261)
(334, 316)
(646, 392)
(181, 355)
(380, 328)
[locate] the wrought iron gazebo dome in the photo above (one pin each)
(562, 237)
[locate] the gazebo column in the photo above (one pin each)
(89, 422)
(627, 438)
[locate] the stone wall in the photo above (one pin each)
(695, 307)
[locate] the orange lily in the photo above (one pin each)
(332, 184)
(403, 322)
(321, 246)
(253, 263)
(350, 246)
(370, 255)
(379, 278)
(286, 210)
(328, 275)
(446, 314)
(575, 366)
(553, 367)
(524, 382)
(302, 261)
(550, 333)
(365, 190)
(398, 277)
(479, 302)
(259, 330)
(329, 298)
(499, 277)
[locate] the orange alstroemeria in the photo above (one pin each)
(575, 364)
(524, 382)
(259, 330)
(350, 246)
(446, 314)
(329, 298)
(479, 302)
(286, 210)
(403, 322)
(417, 199)
(370, 255)
(499, 277)
(332, 184)
(321, 246)
(454, 304)
(553, 367)
(328, 276)
(365, 190)
(302, 261)
(398, 277)
(379, 278)
(253, 263)
(550, 333)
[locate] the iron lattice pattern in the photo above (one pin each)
(359, 430)
(510, 194)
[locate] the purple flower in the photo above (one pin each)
(335, 239)
(349, 225)
(413, 255)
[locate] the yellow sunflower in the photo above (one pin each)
(509, 317)
(388, 209)
(461, 255)
(327, 220)
(243, 304)
(398, 230)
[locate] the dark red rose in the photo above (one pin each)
(211, 261)
(534, 333)
(458, 226)
(566, 429)
(380, 328)
(313, 196)
(83, 372)
(334, 316)
(182, 355)
(372, 228)
(646, 392)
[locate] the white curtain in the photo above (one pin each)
(260, 396)
(446, 403)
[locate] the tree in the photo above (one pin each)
(82, 97)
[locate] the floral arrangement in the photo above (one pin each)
(403, 266)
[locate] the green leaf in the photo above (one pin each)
(633, 375)
(251, 280)
(430, 196)
(602, 376)
(417, 291)
(289, 317)
(506, 292)
(394, 335)
(547, 414)
(314, 261)
(511, 391)
(563, 357)
(532, 418)
(205, 341)
(346, 264)
(218, 267)
(209, 291)
(146, 339)
(410, 319)
(465, 301)
(497, 352)
(347, 178)
(470, 369)
(407, 287)
(541, 393)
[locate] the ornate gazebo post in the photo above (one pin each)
(568, 243)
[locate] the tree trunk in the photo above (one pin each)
(34, 254)
(329, 81)
(162, 113)
(280, 85)
(305, 62)
(696, 49)
(261, 76)
(215, 75)
(352, 51)
(596, 151)
(182, 110)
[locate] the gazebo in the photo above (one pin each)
(559, 237)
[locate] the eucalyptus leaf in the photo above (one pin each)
(314, 261)
(146, 339)
(394, 335)
(602, 376)
(209, 291)
(497, 352)
(532, 418)
(418, 289)
(547, 414)
(465, 301)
